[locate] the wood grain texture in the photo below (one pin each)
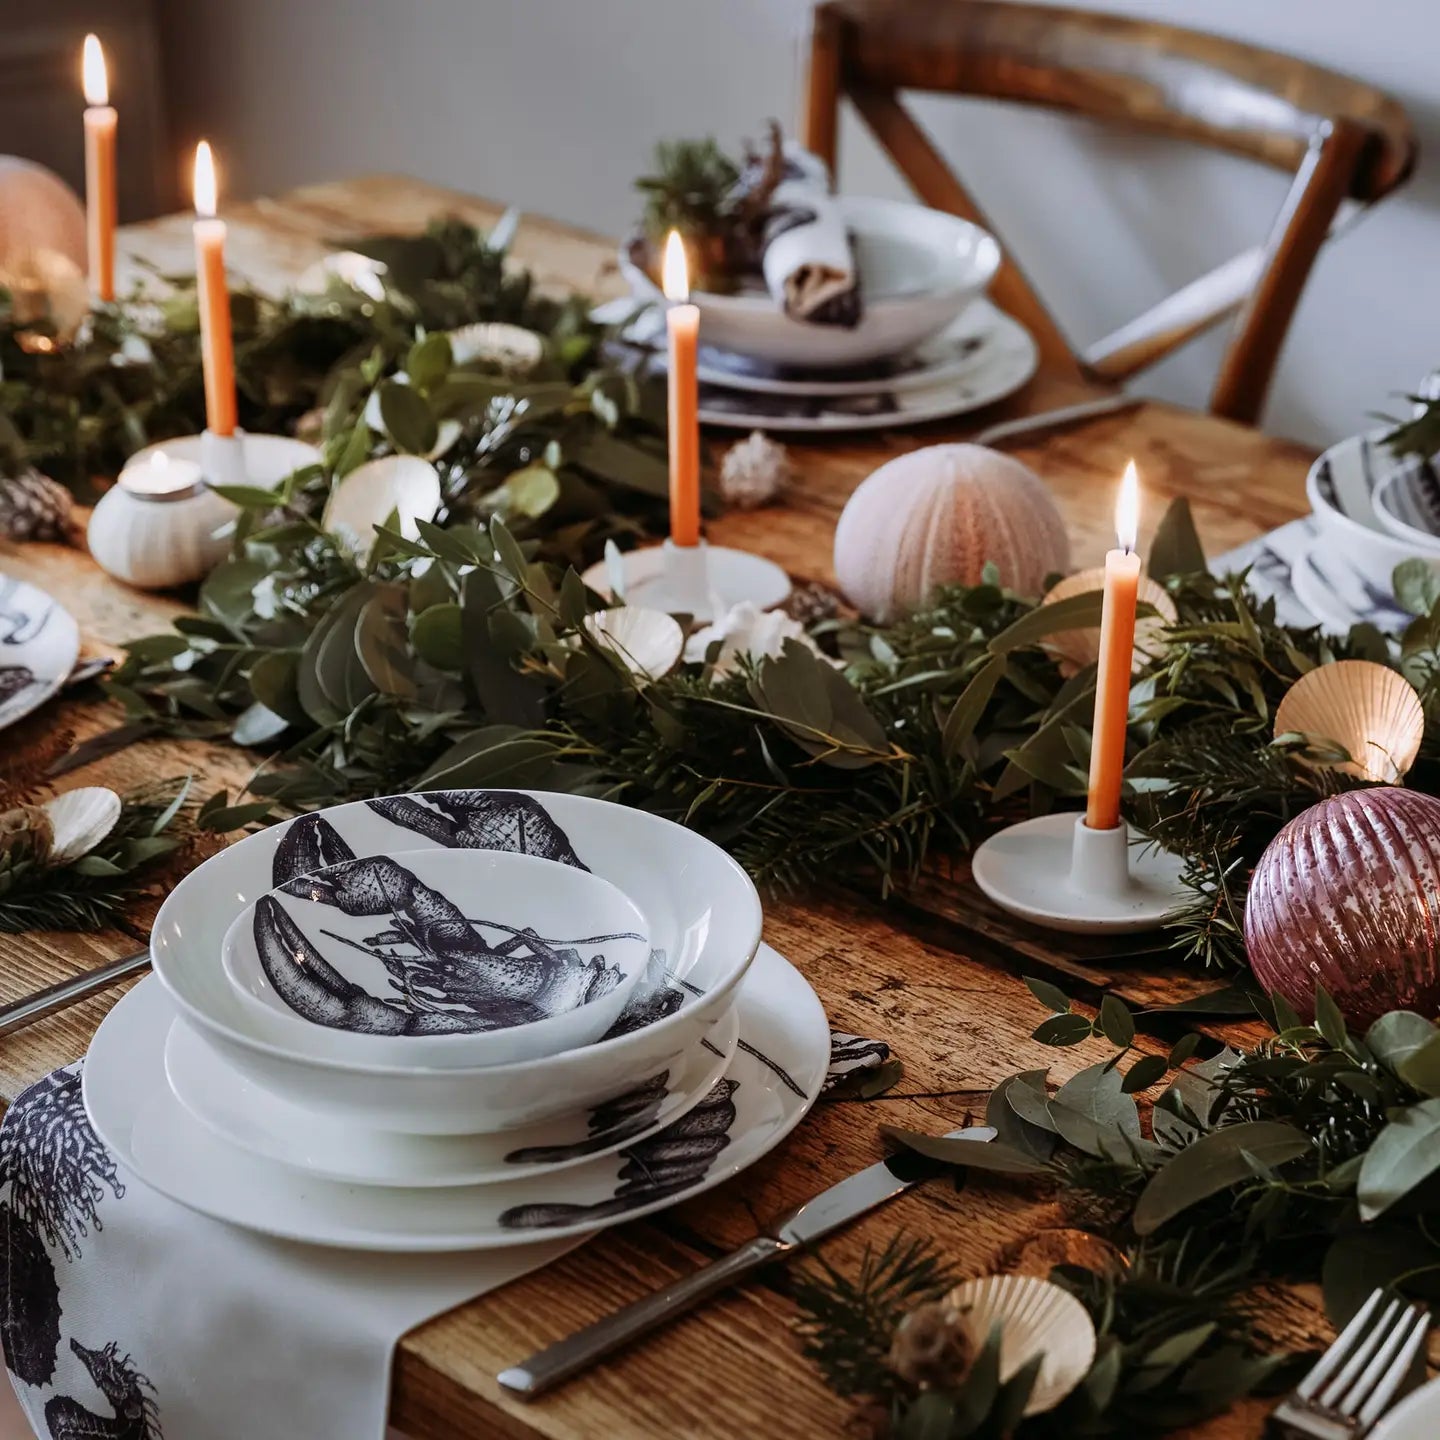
(937, 973)
(1340, 138)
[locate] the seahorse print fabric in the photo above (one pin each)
(128, 1317)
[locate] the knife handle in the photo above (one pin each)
(577, 1352)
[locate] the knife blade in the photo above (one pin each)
(787, 1234)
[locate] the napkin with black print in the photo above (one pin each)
(125, 1315)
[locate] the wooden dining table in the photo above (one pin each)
(933, 970)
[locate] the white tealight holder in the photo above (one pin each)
(703, 581)
(161, 524)
(1058, 872)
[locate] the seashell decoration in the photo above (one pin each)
(80, 820)
(755, 471)
(649, 642)
(1371, 711)
(1345, 896)
(1035, 1317)
(447, 432)
(937, 517)
(404, 485)
(1075, 649)
(511, 349)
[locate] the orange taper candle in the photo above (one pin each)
(100, 125)
(217, 351)
(1117, 648)
(682, 321)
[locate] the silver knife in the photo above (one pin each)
(788, 1234)
(1055, 419)
(66, 993)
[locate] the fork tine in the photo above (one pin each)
(1359, 1357)
(1386, 1385)
(1340, 1347)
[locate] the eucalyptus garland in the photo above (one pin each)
(1314, 1157)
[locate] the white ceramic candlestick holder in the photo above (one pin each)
(1058, 872)
(703, 581)
(162, 525)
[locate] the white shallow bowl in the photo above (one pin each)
(701, 908)
(438, 957)
(1341, 489)
(919, 268)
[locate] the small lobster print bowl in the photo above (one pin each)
(438, 958)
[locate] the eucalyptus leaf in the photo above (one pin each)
(974, 1154)
(409, 421)
(965, 714)
(1076, 612)
(1404, 1153)
(437, 636)
(1052, 997)
(1397, 1036)
(819, 709)
(1175, 549)
(1214, 1163)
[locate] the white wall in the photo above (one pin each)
(554, 105)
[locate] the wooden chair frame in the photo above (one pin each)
(1342, 140)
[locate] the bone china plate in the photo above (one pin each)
(701, 909)
(39, 643)
(444, 957)
(253, 1119)
(770, 1085)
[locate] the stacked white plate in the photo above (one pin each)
(286, 1129)
(927, 346)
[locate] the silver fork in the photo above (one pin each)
(1360, 1376)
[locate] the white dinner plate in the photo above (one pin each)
(1005, 358)
(254, 1119)
(778, 1069)
(39, 644)
(1417, 1417)
(952, 355)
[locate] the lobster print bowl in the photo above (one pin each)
(438, 957)
(700, 907)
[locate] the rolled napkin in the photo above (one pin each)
(124, 1314)
(806, 253)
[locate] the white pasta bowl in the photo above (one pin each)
(919, 268)
(438, 957)
(699, 906)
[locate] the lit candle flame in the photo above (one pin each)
(92, 71)
(1127, 509)
(204, 179)
(675, 272)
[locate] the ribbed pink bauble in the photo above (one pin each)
(1347, 896)
(936, 517)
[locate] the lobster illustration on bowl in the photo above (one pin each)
(451, 974)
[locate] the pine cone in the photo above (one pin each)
(755, 471)
(34, 507)
(932, 1348)
(811, 603)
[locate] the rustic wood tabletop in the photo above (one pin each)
(935, 971)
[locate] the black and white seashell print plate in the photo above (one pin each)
(777, 1072)
(39, 644)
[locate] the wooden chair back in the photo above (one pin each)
(1343, 141)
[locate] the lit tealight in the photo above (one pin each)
(161, 477)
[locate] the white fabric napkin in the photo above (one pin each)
(806, 253)
(126, 1315)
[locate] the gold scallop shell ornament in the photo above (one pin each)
(1075, 649)
(1370, 711)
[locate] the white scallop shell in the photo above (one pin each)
(1370, 710)
(365, 498)
(649, 642)
(1075, 649)
(512, 349)
(81, 819)
(447, 432)
(1035, 1317)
